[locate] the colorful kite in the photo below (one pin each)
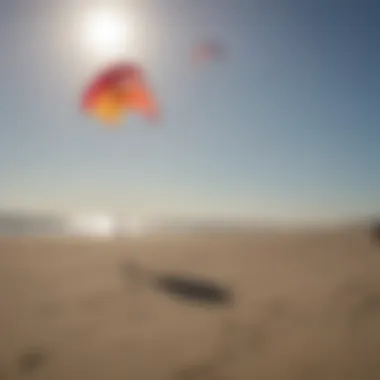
(118, 90)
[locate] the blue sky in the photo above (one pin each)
(287, 126)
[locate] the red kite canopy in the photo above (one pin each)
(117, 90)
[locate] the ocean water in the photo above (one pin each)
(34, 224)
(27, 224)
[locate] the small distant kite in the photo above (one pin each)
(118, 90)
(206, 52)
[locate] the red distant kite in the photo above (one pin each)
(207, 51)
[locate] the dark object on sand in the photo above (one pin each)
(376, 231)
(32, 359)
(193, 289)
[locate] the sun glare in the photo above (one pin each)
(95, 225)
(107, 31)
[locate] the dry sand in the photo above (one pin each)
(306, 306)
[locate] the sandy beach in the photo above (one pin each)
(303, 306)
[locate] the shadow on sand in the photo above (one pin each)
(375, 232)
(193, 289)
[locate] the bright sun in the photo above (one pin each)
(107, 32)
